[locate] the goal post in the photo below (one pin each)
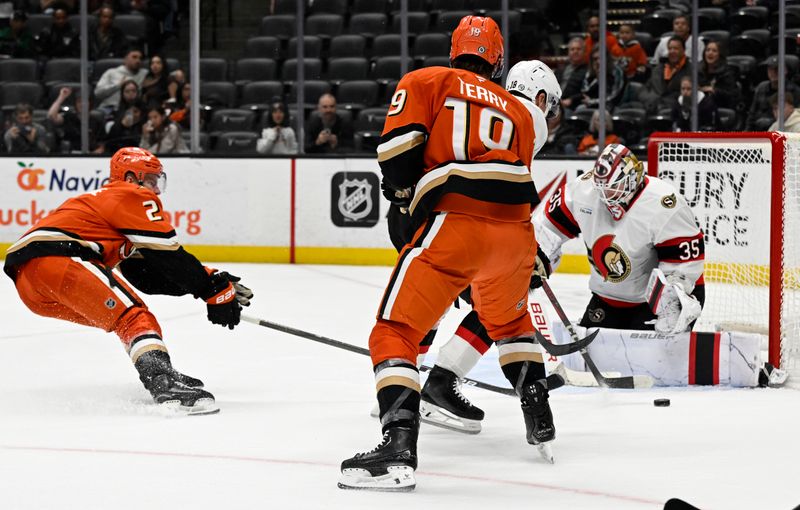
(745, 191)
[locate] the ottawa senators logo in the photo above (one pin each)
(610, 261)
(669, 201)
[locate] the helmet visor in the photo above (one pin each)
(157, 183)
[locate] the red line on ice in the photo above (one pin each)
(485, 479)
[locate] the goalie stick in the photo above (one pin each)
(363, 351)
(625, 382)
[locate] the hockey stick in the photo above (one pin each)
(363, 351)
(626, 382)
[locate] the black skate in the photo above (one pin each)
(442, 404)
(389, 467)
(540, 430)
(172, 389)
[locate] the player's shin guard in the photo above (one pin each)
(522, 364)
(390, 465)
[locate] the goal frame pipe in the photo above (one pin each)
(778, 144)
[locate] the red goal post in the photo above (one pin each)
(745, 191)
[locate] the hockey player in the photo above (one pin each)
(63, 267)
(454, 152)
(442, 404)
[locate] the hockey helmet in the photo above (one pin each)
(529, 78)
(617, 175)
(143, 164)
(479, 36)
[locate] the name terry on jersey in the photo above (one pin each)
(477, 92)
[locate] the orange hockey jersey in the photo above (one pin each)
(462, 143)
(105, 225)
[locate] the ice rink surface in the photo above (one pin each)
(78, 431)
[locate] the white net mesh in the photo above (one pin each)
(727, 182)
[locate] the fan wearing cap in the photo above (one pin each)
(64, 267)
(454, 155)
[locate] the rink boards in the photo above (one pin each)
(309, 210)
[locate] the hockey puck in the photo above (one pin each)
(661, 402)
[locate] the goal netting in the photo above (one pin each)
(745, 191)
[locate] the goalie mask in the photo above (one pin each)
(532, 77)
(617, 176)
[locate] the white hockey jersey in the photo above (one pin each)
(658, 229)
(540, 130)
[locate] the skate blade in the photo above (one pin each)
(398, 479)
(546, 451)
(438, 417)
(201, 407)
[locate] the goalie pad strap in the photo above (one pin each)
(704, 358)
(655, 294)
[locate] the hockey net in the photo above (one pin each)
(745, 191)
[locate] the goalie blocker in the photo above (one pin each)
(726, 358)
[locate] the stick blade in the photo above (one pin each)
(564, 349)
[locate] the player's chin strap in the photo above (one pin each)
(363, 351)
(629, 382)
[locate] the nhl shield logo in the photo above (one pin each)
(354, 199)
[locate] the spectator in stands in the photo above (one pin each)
(278, 137)
(562, 139)
(571, 79)
(791, 116)
(67, 124)
(716, 78)
(707, 115)
(682, 29)
(634, 58)
(160, 135)
(154, 86)
(175, 82)
(131, 94)
(25, 136)
(760, 115)
(110, 83)
(126, 131)
(328, 132)
(664, 85)
(615, 83)
(16, 40)
(106, 40)
(181, 112)
(589, 145)
(593, 29)
(60, 40)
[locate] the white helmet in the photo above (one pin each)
(530, 77)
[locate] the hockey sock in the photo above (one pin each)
(464, 350)
(146, 342)
(397, 382)
(425, 345)
(521, 361)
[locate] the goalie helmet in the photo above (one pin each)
(616, 176)
(532, 77)
(143, 164)
(479, 36)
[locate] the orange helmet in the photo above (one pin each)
(479, 36)
(138, 161)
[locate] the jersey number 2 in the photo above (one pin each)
(495, 130)
(152, 210)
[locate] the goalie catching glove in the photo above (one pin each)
(224, 306)
(675, 309)
(541, 270)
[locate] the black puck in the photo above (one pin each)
(661, 402)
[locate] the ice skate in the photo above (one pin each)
(442, 404)
(772, 377)
(389, 467)
(171, 389)
(540, 430)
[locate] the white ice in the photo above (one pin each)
(78, 431)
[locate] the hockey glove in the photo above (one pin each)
(674, 308)
(397, 196)
(541, 270)
(243, 294)
(223, 307)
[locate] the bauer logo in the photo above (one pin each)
(354, 199)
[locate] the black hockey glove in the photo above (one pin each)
(243, 294)
(397, 196)
(223, 307)
(541, 270)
